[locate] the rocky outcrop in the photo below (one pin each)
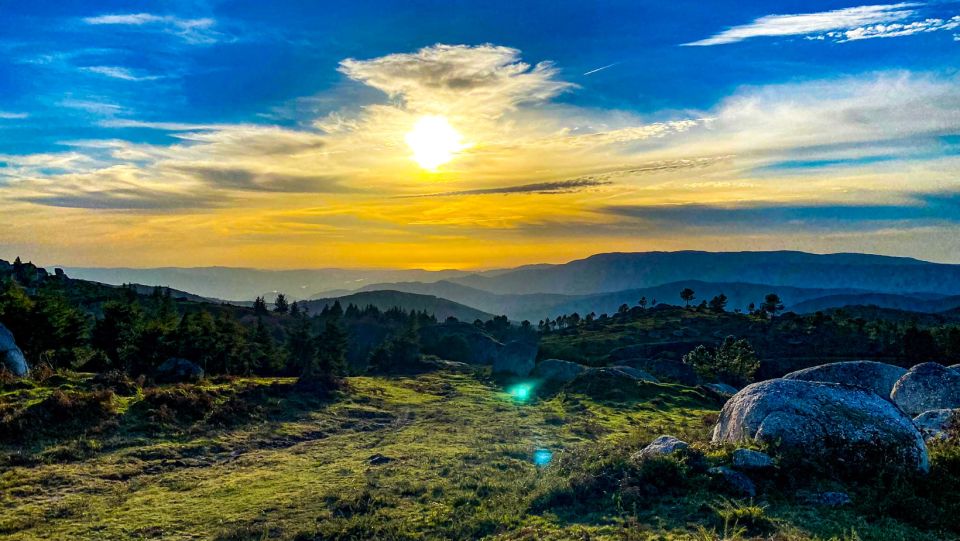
(516, 358)
(927, 386)
(558, 371)
(665, 370)
(610, 382)
(873, 376)
(11, 358)
(845, 426)
(935, 424)
(664, 445)
(634, 373)
(176, 370)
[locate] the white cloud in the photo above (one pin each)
(117, 72)
(812, 24)
(8, 115)
(893, 30)
(485, 79)
(194, 31)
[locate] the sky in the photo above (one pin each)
(454, 134)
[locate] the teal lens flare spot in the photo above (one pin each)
(521, 392)
(542, 457)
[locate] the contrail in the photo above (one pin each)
(601, 69)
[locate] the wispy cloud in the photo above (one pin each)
(559, 186)
(848, 24)
(8, 115)
(117, 72)
(194, 31)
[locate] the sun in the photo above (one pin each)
(434, 142)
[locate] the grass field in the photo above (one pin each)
(441, 455)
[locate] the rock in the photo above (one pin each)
(722, 388)
(611, 382)
(558, 371)
(11, 358)
(828, 499)
(927, 386)
(378, 459)
(748, 459)
(176, 370)
(877, 377)
(634, 373)
(934, 424)
(954, 367)
(666, 370)
(516, 358)
(664, 445)
(842, 425)
(734, 481)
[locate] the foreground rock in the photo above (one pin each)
(11, 358)
(844, 426)
(748, 459)
(935, 424)
(664, 445)
(516, 358)
(927, 386)
(734, 481)
(176, 370)
(558, 371)
(873, 376)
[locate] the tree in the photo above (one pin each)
(280, 305)
(718, 304)
(687, 295)
(624, 308)
(260, 306)
(919, 345)
(331, 359)
(771, 304)
(643, 303)
(300, 346)
(733, 362)
(295, 309)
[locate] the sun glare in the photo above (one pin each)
(434, 142)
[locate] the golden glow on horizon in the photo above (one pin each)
(434, 142)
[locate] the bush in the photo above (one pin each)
(178, 404)
(734, 362)
(118, 382)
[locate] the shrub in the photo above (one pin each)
(177, 404)
(61, 414)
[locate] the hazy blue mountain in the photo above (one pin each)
(883, 300)
(537, 306)
(246, 284)
(622, 271)
(384, 300)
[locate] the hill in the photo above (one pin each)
(385, 300)
(883, 300)
(603, 273)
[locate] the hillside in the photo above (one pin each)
(385, 300)
(882, 300)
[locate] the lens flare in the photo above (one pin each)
(542, 457)
(521, 392)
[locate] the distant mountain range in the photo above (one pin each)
(600, 283)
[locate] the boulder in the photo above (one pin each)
(558, 371)
(927, 386)
(873, 376)
(176, 370)
(734, 481)
(11, 358)
(516, 358)
(827, 499)
(664, 445)
(748, 459)
(666, 370)
(722, 388)
(634, 373)
(610, 382)
(934, 424)
(954, 367)
(846, 427)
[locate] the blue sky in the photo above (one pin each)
(100, 101)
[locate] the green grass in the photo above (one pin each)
(460, 467)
